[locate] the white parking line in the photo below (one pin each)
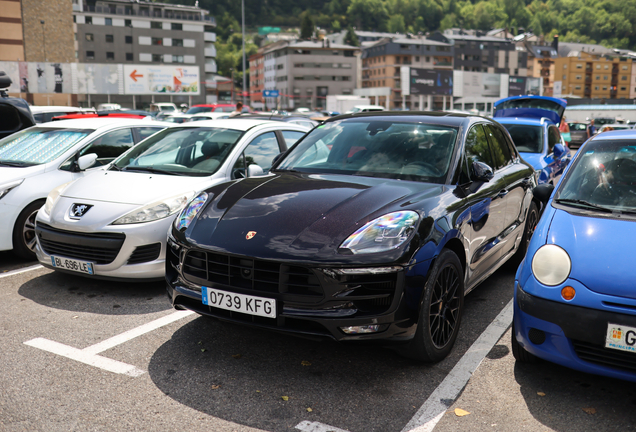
(308, 426)
(18, 271)
(445, 394)
(89, 355)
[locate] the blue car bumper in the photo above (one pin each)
(571, 336)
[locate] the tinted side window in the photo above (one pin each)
(499, 146)
(109, 146)
(145, 132)
(477, 149)
(291, 137)
(554, 137)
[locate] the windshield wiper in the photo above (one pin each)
(16, 164)
(150, 170)
(583, 203)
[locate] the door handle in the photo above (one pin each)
(502, 193)
(526, 181)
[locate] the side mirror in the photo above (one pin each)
(559, 151)
(86, 161)
(481, 172)
(543, 192)
(254, 171)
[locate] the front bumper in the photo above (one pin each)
(125, 252)
(572, 336)
(311, 301)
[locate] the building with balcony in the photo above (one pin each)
(305, 72)
(381, 63)
(145, 32)
(594, 77)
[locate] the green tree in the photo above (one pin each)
(306, 27)
(368, 14)
(351, 38)
(335, 26)
(396, 24)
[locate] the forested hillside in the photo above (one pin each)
(608, 22)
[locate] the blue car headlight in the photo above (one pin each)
(382, 234)
(190, 211)
(551, 265)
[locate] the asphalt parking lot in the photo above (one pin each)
(80, 354)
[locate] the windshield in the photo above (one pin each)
(367, 147)
(527, 138)
(604, 175)
(181, 151)
(195, 110)
(39, 145)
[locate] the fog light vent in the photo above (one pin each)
(536, 336)
(361, 329)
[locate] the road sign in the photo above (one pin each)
(270, 93)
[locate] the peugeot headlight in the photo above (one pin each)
(155, 211)
(52, 197)
(7, 187)
(551, 265)
(382, 234)
(189, 213)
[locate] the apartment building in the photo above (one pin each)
(594, 77)
(145, 32)
(305, 72)
(381, 63)
(257, 78)
(11, 37)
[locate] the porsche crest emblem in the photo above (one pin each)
(250, 235)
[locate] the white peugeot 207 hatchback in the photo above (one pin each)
(40, 158)
(113, 223)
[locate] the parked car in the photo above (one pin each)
(38, 159)
(578, 133)
(209, 116)
(372, 227)
(43, 114)
(178, 118)
(113, 223)
(366, 108)
(160, 107)
(532, 122)
(615, 126)
(575, 302)
(228, 108)
(15, 114)
(293, 118)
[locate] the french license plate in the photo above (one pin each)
(621, 337)
(72, 264)
(247, 304)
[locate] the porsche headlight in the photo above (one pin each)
(189, 213)
(7, 187)
(551, 265)
(155, 211)
(382, 234)
(52, 197)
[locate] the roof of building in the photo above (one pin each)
(573, 49)
(319, 44)
(543, 51)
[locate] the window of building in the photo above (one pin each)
(177, 58)
(605, 77)
(598, 77)
(578, 77)
(577, 87)
(89, 37)
(428, 59)
(623, 88)
(129, 39)
(110, 55)
(177, 26)
(108, 21)
(128, 23)
(565, 66)
(565, 77)
(579, 66)
(88, 20)
(417, 58)
(156, 25)
(129, 56)
(157, 41)
(90, 55)
(606, 67)
(110, 38)
(624, 78)
(604, 88)
(595, 87)
(177, 42)
(157, 58)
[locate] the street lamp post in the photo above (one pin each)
(232, 88)
(43, 41)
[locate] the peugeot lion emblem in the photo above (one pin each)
(78, 210)
(250, 235)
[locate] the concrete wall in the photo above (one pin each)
(53, 40)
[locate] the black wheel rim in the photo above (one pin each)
(444, 309)
(532, 224)
(28, 232)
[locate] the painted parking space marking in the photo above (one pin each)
(89, 355)
(431, 412)
(307, 426)
(22, 270)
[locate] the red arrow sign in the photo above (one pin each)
(134, 75)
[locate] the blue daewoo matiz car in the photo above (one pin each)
(532, 122)
(575, 292)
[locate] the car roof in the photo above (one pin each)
(616, 134)
(432, 117)
(523, 121)
(50, 108)
(213, 105)
(101, 122)
(236, 124)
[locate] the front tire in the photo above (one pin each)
(24, 231)
(532, 219)
(441, 310)
(518, 352)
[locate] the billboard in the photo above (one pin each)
(479, 84)
(161, 80)
(516, 86)
(13, 72)
(431, 82)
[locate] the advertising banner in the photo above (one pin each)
(479, 84)
(557, 89)
(516, 86)
(533, 86)
(431, 82)
(97, 78)
(13, 72)
(181, 80)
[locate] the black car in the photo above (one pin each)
(15, 113)
(371, 227)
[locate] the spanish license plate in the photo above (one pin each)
(247, 304)
(621, 337)
(72, 264)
